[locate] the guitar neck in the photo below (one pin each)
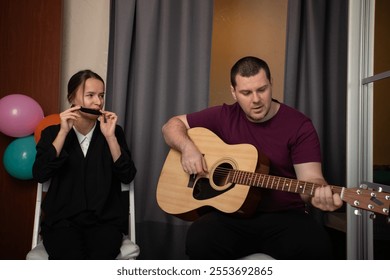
(275, 182)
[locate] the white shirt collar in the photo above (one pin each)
(81, 136)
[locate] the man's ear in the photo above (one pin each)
(233, 92)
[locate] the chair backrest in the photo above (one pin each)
(41, 188)
(44, 187)
(130, 189)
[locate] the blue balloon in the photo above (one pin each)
(19, 157)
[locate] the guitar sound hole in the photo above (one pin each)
(202, 188)
(221, 173)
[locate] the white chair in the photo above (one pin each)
(258, 256)
(129, 249)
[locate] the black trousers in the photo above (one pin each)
(82, 237)
(282, 235)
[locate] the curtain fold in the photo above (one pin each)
(316, 84)
(316, 74)
(158, 67)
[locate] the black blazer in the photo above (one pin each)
(78, 183)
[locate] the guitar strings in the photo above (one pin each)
(258, 179)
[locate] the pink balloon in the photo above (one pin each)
(19, 115)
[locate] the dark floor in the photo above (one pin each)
(381, 246)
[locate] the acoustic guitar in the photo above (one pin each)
(236, 173)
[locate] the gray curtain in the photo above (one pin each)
(315, 84)
(158, 67)
(316, 74)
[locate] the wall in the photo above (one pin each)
(42, 44)
(241, 27)
(30, 49)
(247, 27)
(85, 40)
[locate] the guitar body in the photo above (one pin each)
(188, 197)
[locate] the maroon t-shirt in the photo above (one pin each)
(287, 138)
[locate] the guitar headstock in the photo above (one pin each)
(371, 200)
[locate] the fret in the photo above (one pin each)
(228, 177)
(287, 183)
(266, 185)
(278, 183)
(283, 183)
(272, 183)
(312, 189)
(262, 180)
(232, 176)
(251, 179)
(300, 187)
(257, 179)
(248, 178)
(242, 177)
(235, 176)
(276, 179)
(254, 176)
(238, 179)
(263, 183)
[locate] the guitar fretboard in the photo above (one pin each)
(274, 182)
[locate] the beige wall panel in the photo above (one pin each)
(85, 39)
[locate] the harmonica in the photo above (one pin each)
(90, 111)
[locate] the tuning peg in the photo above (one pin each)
(357, 212)
(388, 220)
(364, 186)
(372, 216)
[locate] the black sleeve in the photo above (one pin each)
(46, 161)
(124, 167)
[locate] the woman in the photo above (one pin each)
(86, 158)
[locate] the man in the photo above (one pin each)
(280, 227)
